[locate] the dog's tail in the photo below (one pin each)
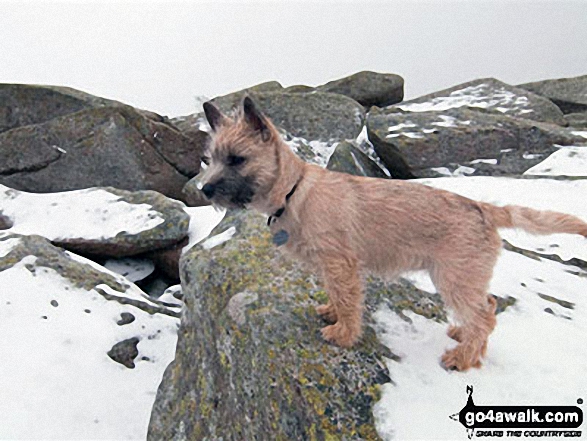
(534, 221)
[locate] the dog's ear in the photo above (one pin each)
(255, 118)
(213, 115)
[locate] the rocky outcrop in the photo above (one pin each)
(413, 143)
(73, 140)
(490, 95)
(347, 158)
(99, 221)
(577, 120)
(250, 350)
(39, 255)
(368, 88)
(317, 116)
(23, 104)
(569, 94)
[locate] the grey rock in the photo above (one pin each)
(411, 143)
(577, 120)
(312, 116)
(250, 351)
(125, 352)
(5, 222)
(490, 95)
(22, 104)
(299, 88)
(125, 319)
(106, 146)
(569, 94)
(233, 99)
(368, 88)
(79, 273)
(192, 195)
(347, 158)
(173, 230)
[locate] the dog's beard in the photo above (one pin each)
(237, 194)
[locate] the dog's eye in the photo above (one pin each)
(234, 160)
(205, 160)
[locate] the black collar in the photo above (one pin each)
(280, 211)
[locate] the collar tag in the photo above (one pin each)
(281, 238)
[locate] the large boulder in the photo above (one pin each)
(490, 95)
(98, 221)
(250, 351)
(317, 116)
(96, 147)
(413, 143)
(368, 88)
(23, 104)
(570, 94)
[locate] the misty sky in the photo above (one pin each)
(161, 55)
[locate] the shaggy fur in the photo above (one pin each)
(346, 225)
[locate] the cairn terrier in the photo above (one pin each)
(346, 225)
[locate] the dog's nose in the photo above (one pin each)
(208, 190)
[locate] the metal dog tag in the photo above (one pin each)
(281, 237)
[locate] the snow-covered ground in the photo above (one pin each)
(56, 378)
(537, 353)
(57, 382)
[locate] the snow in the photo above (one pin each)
(7, 245)
(219, 239)
(132, 268)
(536, 354)
(202, 222)
(567, 161)
(482, 96)
(484, 161)
(56, 378)
(91, 214)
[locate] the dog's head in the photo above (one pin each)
(241, 160)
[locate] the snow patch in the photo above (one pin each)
(91, 213)
(219, 239)
(202, 221)
(482, 96)
(56, 378)
(567, 161)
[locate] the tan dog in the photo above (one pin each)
(346, 225)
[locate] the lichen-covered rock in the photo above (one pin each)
(250, 350)
(104, 146)
(413, 143)
(347, 158)
(569, 94)
(490, 95)
(368, 88)
(99, 221)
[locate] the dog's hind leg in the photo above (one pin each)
(343, 286)
(464, 290)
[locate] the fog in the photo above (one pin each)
(162, 55)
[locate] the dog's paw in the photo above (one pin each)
(340, 335)
(458, 359)
(327, 313)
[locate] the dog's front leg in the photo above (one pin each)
(343, 286)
